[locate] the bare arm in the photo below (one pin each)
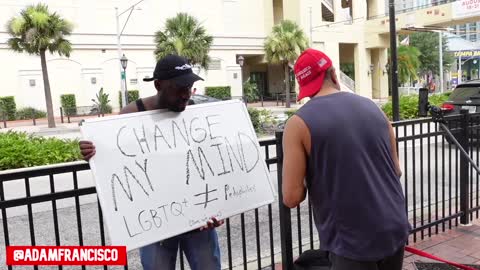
(294, 162)
(87, 148)
(130, 108)
(393, 144)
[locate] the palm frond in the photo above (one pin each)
(408, 63)
(285, 43)
(184, 36)
(37, 29)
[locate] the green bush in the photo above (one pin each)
(8, 107)
(69, 104)
(132, 96)
(220, 92)
(108, 109)
(259, 118)
(251, 91)
(102, 102)
(409, 105)
(290, 112)
(29, 112)
(19, 150)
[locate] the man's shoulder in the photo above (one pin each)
(295, 124)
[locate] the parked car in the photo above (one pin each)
(464, 96)
(199, 99)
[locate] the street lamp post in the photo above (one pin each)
(440, 51)
(119, 47)
(124, 62)
(393, 62)
(241, 61)
(119, 51)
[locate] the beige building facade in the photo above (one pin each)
(353, 33)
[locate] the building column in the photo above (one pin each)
(333, 49)
(363, 81)
(383, 71)
(234, 79)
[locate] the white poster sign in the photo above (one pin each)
(465, 8)
(159, 173)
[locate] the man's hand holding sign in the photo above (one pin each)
(167, 176)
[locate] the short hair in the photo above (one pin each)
(328, 76)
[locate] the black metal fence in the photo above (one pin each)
(4, 119)
(55, 205)
(78, 113)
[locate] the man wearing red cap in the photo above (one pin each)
(341, 148)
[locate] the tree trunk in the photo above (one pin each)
(48, 94)
(287, 86)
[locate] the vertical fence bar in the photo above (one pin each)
(478, 161)
(310, 222)
(429, 180)
(270, 230)
(244, 241)
(464, 207)
(77, 209)
(422, 234)
(436, 176)
(102, 231)
(30, 216)
(270, 218)
(79, 216)
(257, 236)
(405, 158)
(229, 245)
(182, 260)
(299, 230)
(4, 220)
(470, 139)
(450, 198)
(30, 213)
(443, 180)
(414, 183)
(284, 212)
(55, 215)
(457, 191)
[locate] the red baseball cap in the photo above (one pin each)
(310, 70)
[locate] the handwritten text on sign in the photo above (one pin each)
(160, 174)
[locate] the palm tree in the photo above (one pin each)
(184, 36)
(408, 63)
(283, 46)
(35, 31)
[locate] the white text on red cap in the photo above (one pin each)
(302, 74)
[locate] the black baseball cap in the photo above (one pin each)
(175, 68)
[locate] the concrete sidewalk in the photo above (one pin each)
(460, 244)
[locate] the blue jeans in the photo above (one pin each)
(200, 247)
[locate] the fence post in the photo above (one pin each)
(33, 118)
(4, 120)
(284, 212)
(464, 178)
(61, 114)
